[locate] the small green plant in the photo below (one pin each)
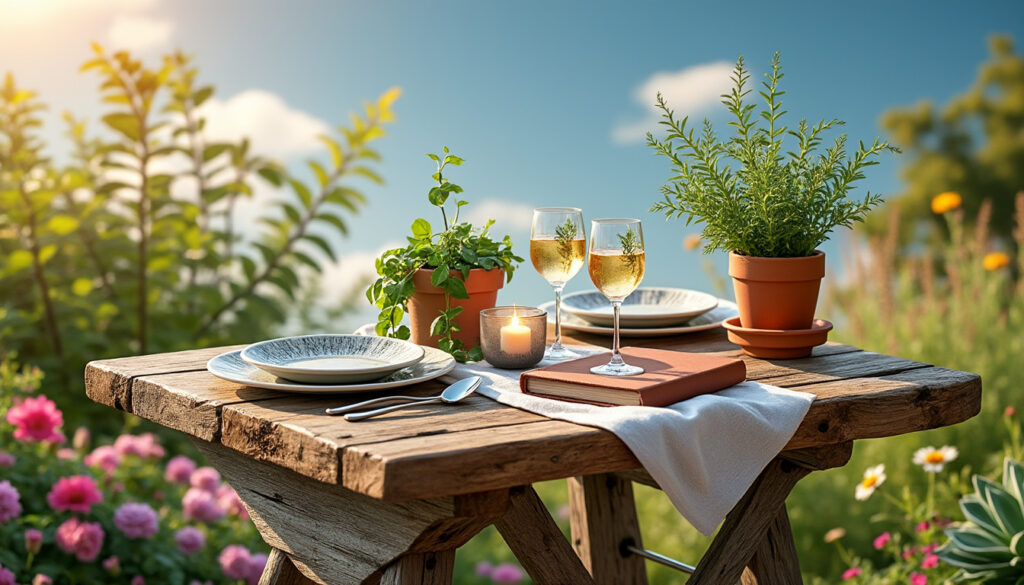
(459, 247)
(777, 203)
(989, 546)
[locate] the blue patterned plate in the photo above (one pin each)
(332, 359)
(647, 307)
(231, 367)
(710, 320)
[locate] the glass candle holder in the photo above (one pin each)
(513, 337)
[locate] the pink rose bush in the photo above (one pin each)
(114, 512)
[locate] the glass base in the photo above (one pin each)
(560, 354)
(613, 369)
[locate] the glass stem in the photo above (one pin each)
(616, 356)
(557, 345)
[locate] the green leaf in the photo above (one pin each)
(62, 225)
(47, 252)
(437, 196)
(456, 288)
(248, 267)
(321, 174)
(334, 220)
(468, 255)
(292, 213)
(273, 175)
(81, 287)
(440, 275)
(201, 96)
(214, 150)
(322, 244)
(337, 157)
(977, 512)
(302, 191)
(421, 229)
(307, 260)
(125, 124)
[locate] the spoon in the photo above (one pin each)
(451, 394)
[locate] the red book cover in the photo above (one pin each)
(669, 377)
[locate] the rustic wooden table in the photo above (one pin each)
(389, 500)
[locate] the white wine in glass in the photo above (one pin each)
(616, 266)
(558, 249)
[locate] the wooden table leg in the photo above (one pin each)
(756, 525)
(538, 543)
(603, 520)
(430, 568)
(281, 571)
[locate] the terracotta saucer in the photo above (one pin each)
(778, 343)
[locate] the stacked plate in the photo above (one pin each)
(331, 364)
(648, 312)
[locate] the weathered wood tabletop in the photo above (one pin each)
(473, 465)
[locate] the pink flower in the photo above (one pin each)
(65, 454)
(228, 499)
(76, 493)
(851, 573)
(33, 541)
(234, 561)
(7, 460)
(105, 457)
(36, 419)
(10, 501)
(929, 548)
(136, 520)
(112, 565)
(138, 580)
(41, 579)
(144, 445)
(205, 478)
(6, 577)
(201, 506)
(881, 540)
(80, 440)
(190, 540)
(918, 579)
(484, 569)
(909, 553)
(930, 561)
(507, 574)
(922, 526)
(179, 469)
(257, 563)
(82, 539)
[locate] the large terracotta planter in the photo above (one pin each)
(776, 293)
(428, 302)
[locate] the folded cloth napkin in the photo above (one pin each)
(704, 452)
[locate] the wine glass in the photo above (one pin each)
(616, 266)
(557, 249)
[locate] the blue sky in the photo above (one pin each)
(529, 93)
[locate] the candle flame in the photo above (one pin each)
(515, 321)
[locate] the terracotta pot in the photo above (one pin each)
(428, 302)
(777, 293)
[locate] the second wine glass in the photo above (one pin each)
(558, 247)
(616, 266)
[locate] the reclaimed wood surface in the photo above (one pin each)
(439, 450)
(603, 520)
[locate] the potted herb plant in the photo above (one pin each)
(442, 279)
(767, 195)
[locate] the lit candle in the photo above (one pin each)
(515, 338)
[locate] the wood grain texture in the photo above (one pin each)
(281, 571)
(538, 543)
(333, 535)
(433, 568)
(775, 560)
(603, 518)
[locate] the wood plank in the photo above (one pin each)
(109, 381)
(433, 568)
(603, 521)
(333, 535)
(538, 543)
(775, 560)
(281, 571)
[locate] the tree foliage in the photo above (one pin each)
(973, 145)
(134, 247)
(776, 203)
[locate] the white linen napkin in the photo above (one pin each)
(704, 452)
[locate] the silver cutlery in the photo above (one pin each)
(454, 393)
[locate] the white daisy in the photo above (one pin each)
(933, 459)
(873, 477)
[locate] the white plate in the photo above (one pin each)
(646, 307)
(230, 366)
(710, 320)
(332, 359)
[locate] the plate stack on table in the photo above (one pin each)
(331, 364)
(648, 312)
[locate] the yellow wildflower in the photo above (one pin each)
(835, 534)
(933, 459)
(691, 242)
(944, 202)
(995, 261)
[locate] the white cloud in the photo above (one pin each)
(509, 216)
(688, 91)
(339, 279)
(138, 32)
(27, 12)
(273, 127)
